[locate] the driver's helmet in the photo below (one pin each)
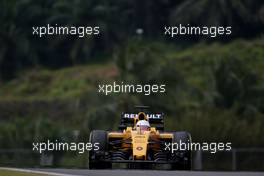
(143, 125)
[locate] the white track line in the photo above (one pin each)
(35, 172)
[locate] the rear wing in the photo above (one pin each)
(155, 120)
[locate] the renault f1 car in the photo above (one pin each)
(140, 147)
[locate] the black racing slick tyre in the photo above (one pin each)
(97, 156)
(183, 158)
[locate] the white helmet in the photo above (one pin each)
(143, 123)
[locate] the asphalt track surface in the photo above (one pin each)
(86, 172)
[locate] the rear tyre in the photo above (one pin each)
(96, 157)
(183, 158)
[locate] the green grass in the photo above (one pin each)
(57, 84)
(197, 63)
(4, 172)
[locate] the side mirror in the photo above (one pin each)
(160, 127)
(122, 127)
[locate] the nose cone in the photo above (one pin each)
(140, 144)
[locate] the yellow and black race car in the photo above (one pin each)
(141, 143)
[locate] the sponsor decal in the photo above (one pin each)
(139, 148)
(150, 116)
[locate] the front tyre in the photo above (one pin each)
(183, 158)
(97, 157)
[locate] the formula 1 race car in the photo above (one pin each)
(141, 143)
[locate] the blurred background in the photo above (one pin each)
(49, 85)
